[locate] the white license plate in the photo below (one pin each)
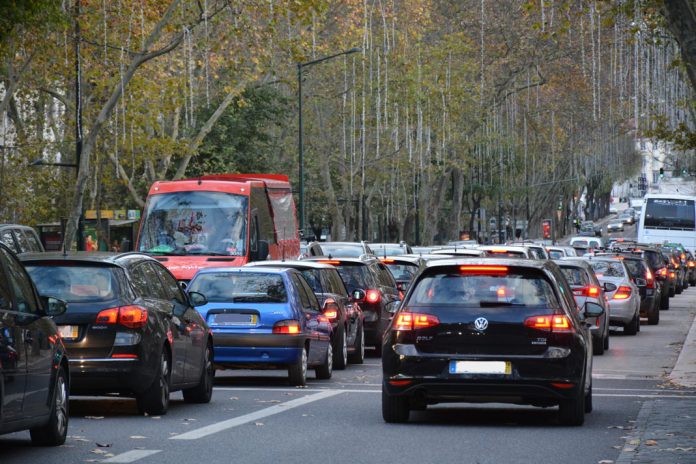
(68, 331)
(480, 367)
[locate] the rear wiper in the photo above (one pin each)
(489, 303)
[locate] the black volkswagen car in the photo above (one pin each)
(34, 370)
(129, 328)
(489, 330)
(373, 288)
(347, 335)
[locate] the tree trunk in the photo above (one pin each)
(681, 21)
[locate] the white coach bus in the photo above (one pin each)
(668, 218)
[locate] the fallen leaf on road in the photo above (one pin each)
(617, 447)
(155, 417)
(234, 397)
(606, 461)
(103, 445)
(94, 417)
(620, 427)
(137, 437)
(650, 442)
(268, 401)
(98, 451)
(634, 442)
(190, 419)
(258, 424)
(109, 455)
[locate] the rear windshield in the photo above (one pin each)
(395, 250)
(608, 269)
(575, 276)
(355, 276)
(505, 254)
(669, 213)
(455, 288)
(77, 284)
(555, 254)
(402, 272)
(654, 258)
(344, 251)
(238, 287)
(635, 267)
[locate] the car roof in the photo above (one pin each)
(364, 259)
(86, 257)
(512, 262)
(576, 261)
(244, 269)
(519, 248)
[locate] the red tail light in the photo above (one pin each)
(590, 290)
(622, 293)
(329, 261)
(289, 326)
(387, 260)
(691, 264)
(373, 296)
(413, 321)
(124, 356)
(558, 323)
(649, 277)
(132, 316)
(662, 272)
(330, 309)
(672, 275)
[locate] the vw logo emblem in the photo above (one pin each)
(481, 324)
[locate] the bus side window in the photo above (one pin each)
(262, 212)
(254, 235)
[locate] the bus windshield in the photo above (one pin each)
(195, 223)
(669, 213)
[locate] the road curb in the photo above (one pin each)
(684, 371)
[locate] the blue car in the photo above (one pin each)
(265, 319)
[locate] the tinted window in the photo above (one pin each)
(394, 250)
(308, 299)
(455, 288)
(7, 238)
(5, 295)
(261, 211)
(24, 245)
(34, 244)
(669, 213)
(555, 254)
(335, 282)
(170, 284)
(239, 287)
(505, 254)
(139, 281)
(76, 284)
(635, 268)
(304, 298)
(355, 276)
(21, 284)
(384, 276)
(345, 251)
(313, 279)
(575, 276)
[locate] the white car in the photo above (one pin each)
(615, 227)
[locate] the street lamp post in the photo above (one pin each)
(300, 143)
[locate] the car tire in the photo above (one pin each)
(325, 370)
(155, 399)
(664, 303)
(297, 373)
(395, 409)
(572, 411)
(588, 401)
(692, 282)
(606, 341)
(654, 316)
(340, 350)
(632, 327)
(54, 432)
(378, 350)
(679, 289)
(597, 346)
(672, 290)
(358, 356)
(203, 392)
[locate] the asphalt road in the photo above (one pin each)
(255, 417)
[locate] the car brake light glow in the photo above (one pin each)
(501, 292)
(649, 278)
(562, 385)
(558, 323)
(132, 316)
(373, 296)
(484, 269)
(330, 309)
(400, 383)
(622, 293)
(412, 321)
(387, 260)
(329, 261)
(592, 291)
(672, 275)
(289, 326)
(691, 264)
(124, 356)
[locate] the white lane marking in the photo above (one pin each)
(624, 377)
(132, 456)
(607, 395)
(246, 418)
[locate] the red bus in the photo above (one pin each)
(219, 220)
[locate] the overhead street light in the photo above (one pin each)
(300, 145)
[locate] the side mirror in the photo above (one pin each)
(641, 282)
(609, 287)
(54, 306)
(197, 299)
(359, 295)
(592, 309)
(393, 306)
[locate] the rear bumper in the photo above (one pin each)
(529, 382)
(105, 375)
(647, 305)
(622, 311)
(264, 350)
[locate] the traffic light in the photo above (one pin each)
(662, 173)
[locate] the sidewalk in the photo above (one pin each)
(665, 430)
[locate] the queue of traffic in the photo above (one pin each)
(221, 281)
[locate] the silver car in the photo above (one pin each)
(624, 299)
(582, 279)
